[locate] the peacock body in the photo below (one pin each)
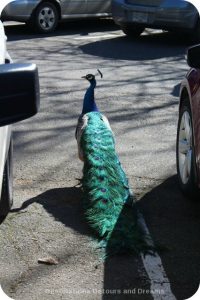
(108, 200)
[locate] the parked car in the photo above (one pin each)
(19, 100)
(133, 16)
(44, 15)
(188, 132)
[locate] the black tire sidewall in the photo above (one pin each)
(133, 31)
(194, 36)
(190, 188)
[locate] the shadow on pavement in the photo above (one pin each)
(81, 27)
(167, 45)
(173, 221)
(176, 90)
(64, 204)
(2, 218)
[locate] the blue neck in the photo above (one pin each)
(89, 104)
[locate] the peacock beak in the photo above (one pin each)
(83, 77)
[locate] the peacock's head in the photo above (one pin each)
(91, 77)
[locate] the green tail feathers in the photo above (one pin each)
(108, 200)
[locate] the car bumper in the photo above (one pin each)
(166, 16)
(20, 10)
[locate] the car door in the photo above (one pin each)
(98, 6)
(73, 7)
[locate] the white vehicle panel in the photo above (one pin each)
(5, 134)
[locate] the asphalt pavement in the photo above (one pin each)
(139, 95)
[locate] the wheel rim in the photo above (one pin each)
(185, 147)
(46, 18)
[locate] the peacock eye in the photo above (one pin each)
(104, 200)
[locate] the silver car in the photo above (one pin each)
(19, 99)
(172, 15)
(44, 15)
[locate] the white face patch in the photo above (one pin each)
(90, 77)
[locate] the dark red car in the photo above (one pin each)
(188, 133)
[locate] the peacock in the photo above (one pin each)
(108, 201)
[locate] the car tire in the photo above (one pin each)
(45, 18)
(6, 200)
(133, 31)
(185, 153)
(195, 34)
